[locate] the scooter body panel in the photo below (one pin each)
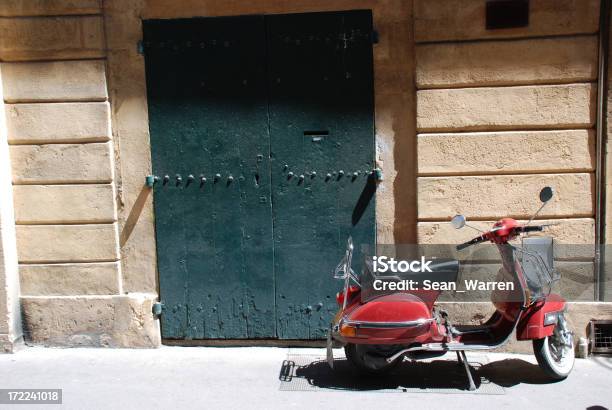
(396, 307)
(398, 318)
(532, 324)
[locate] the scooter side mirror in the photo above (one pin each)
(458, 221)
(546, 194)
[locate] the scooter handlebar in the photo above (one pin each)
(474, 241)
(484, 237)
(534, 228)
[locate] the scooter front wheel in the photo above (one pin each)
(371, 358)
(555, 353)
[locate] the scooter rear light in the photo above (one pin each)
(351, 291)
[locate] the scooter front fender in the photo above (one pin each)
(532, 325)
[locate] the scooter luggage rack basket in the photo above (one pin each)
(345, 271)
(539, 275)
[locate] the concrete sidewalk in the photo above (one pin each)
(248, 377)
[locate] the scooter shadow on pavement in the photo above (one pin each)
(510, 372)
(436, 374)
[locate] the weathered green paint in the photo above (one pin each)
(320, 81)
(243, 97)
(208, 115)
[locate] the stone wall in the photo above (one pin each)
(10, 313)
(85, 228)
(497, 118)
(59, 132)
(467, 121)
(502, 113)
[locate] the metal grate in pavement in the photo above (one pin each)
(301, 372)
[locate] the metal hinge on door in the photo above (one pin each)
(157, 309)
(140, 47)
(374, 37)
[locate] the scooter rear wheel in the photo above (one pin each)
(371, 358)
(555, 353)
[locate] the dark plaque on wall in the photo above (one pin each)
(507, 14)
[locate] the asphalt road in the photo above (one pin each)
(248, 378)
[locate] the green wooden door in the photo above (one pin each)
(236, 105)
(321, 129)
(208, 116)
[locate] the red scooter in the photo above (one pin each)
(379, 330)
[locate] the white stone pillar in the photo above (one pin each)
(10, 312)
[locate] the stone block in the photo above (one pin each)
(580, 231)
(466, 19)
(58, 122)
(490, 63)
(60, 204)
(497, 196)
(61, 163)
(91, 321)
(54, 81)
(506, 108)
(512, 152)
(573, 239)
(70, 279)
(48, 7)
(67, 243)
(51, 38)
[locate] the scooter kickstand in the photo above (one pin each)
(461, 356)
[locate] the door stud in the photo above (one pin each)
(150, 180)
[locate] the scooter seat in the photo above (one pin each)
(443, 270)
